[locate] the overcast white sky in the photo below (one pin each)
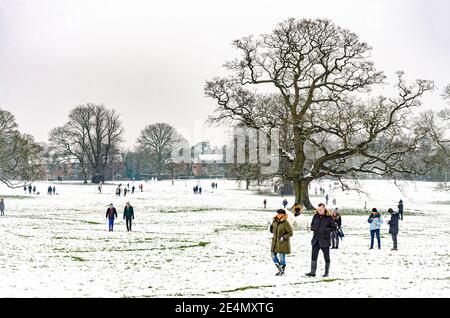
(149, 59)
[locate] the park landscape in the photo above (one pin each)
(291, 103)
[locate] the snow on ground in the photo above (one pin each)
(213, 245)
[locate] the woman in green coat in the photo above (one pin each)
(281, 245)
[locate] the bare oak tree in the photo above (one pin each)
(157, 142)
(313, 78)
(19, 154)
(91, 137)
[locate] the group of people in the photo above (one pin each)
(51, 190)
(197, 189)
(128, 216)
(31, 189)
(327, 231)
(214, 185)
(125, 191)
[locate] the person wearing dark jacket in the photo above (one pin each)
(393, 227)
(281, 246)
(2, 207)
(335, 234)
(322, 225)
(111, 214)
(128, 215)
(400, 209)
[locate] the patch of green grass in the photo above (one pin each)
(16, 197)
(252, 227)
(200, 244)
(78, 259)
(246, 288)
(186, 210)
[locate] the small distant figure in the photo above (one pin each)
(25, 189)
(334, 202)
(200, 190)
(327, 198)
(2, 207)
(125, 191)
(49, 190)
(265, 203)
(30, 189)
(111, 214)
(133, 188)
(400, 209)
(393, 227)
(141, 187)
(128, 215)
(315, 190)
(54, 190)
(128, 186)
(118, 191)
(285, 203)
(34, 189)
(375, 221)
(100, 188)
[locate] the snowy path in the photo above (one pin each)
(212, 245)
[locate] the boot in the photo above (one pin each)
(313, 269)
(282, 270)
(327, 270)
(278, 265)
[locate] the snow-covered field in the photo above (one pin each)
(213, 245)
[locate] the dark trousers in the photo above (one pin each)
(374, 233)
(394, 239)
(128, 221)
(335, 239)
(315, 253)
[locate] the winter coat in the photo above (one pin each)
(281, 228)
(338, 221)
(2, 206)
(111, 213)
(375, 222)
(322, 226)
(393, 223)
(400, 207)
(128, 212)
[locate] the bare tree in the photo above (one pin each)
(157, 142)
(313, 76)
(19, 154)
(91, 136)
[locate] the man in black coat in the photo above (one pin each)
(393, 227)
(322, 225)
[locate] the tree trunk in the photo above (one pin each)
(301, 188)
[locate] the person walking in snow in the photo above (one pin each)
(375, 221)
(2, 207)
(54, 190)
(100, 189)
(265, 203)
(327, 197)
(111, 214)
(125, 191)
(133, 188)
(400, 209)
(25, 189)
(393, 227)
(335, 234)
(281, 246)
(30, 189)
(34, 189)
(322, 225)
(285, 203)
(128, 215)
